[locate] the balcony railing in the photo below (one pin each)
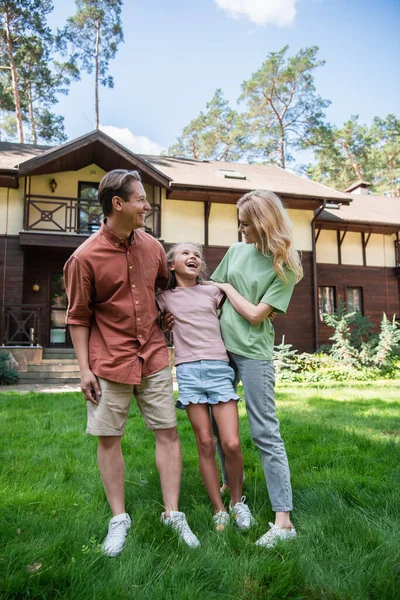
(73, 215)
(59, 214)
(22, 325)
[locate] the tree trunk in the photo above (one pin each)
(14, 79)
(96, 91)
(352, 160)
(282, 148)
(32, 116)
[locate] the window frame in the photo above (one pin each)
(335, 300)
(355, 287)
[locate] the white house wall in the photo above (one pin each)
(12, 209)
(352, 249)
(301, 221)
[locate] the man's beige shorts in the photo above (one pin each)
(154, 396)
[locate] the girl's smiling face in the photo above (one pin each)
(186, 264)
(247, 229)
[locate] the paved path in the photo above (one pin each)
(41, 387)
(52, 388)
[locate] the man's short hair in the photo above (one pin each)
(116, 183)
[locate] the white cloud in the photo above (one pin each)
(272, 12)
(137, 143)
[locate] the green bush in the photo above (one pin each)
(356, 353)
(7, 376)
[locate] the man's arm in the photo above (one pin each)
(89, 384)
(254, 313)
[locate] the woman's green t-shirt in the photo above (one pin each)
(252, 275)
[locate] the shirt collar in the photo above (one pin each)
(114, 239)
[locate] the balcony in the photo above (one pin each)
(58, 214)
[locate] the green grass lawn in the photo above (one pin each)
(343, 447)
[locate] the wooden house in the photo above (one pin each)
(48, 207)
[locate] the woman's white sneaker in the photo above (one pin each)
(275, 535)
(177, 520)
(117, 531)
(242, 514)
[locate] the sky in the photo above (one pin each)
(178, 52)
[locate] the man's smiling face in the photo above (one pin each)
(136, 207)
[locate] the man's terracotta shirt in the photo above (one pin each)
(110, 287)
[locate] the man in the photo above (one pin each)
(110, 282)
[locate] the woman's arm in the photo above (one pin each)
(254, 313)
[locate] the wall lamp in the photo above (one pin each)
(53, 185)
(36, 287)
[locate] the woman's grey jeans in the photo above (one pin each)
(258, 378)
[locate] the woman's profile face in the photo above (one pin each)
(248, 231)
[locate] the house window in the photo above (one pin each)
(354, 299)
(326, 300)
(58, 309)
(89, 210)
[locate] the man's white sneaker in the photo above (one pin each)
(117, 531)
(241, 514)
(177, 520)
(275, 535)
(221, 520)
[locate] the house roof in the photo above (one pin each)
(173, 173)
(188, 173)
(12, 154)
(366, 211)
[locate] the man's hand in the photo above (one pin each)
(272, 316)
(90, 387)
(167, 322)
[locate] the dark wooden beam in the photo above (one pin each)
(207, 209)
(340, 239)
(52, 240)
(8, 181)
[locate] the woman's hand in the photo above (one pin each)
(224, 287)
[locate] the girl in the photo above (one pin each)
(205, 379)
(258, 277)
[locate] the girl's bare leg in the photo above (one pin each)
(200, 419)
(227, 419)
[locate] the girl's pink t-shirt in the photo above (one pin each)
(196, 330)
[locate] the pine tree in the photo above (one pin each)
(218, 134)
(93, 35)
(282, 105)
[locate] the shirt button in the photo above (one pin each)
(138, 318)
(130, 266)
(139, 336)
(137, 302)
(138, 353)
(116, 245)
(133, 285)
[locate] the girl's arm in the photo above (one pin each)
(254, 313)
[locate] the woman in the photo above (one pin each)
(258, 277)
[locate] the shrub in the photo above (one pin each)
(355, 355)
(7, 376)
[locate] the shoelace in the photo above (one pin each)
(114, 532)
(242, 509)
(180, 523)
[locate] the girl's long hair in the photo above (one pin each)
(267, 215)
(171, 257)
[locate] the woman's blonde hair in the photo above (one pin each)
(171, 257)
(266, 213)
